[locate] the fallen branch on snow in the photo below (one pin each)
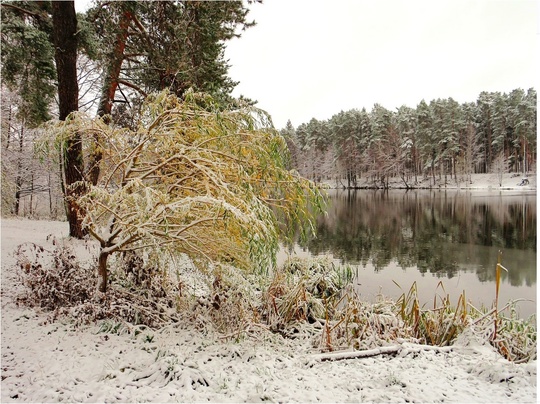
(400, 349)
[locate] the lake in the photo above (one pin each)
(427, 237)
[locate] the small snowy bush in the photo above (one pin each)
(53, 279)
(56, 281)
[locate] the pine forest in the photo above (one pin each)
(440, 142)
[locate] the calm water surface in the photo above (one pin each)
(427, 237)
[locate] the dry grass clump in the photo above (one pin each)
(439, 325)
(319, 292)
(304, 290)
(512, 336)
(363, 325)
(231, 304)
(516, 337)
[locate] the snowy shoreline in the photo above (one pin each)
(484, 182)
(44, 361)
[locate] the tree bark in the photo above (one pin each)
(102, 271)
(110, 85)
(65, 56)
(19, 178)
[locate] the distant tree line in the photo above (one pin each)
(442, 140)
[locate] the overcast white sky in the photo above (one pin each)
(312, 58)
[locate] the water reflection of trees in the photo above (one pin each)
(437, 232)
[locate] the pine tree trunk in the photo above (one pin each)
(65, 56)
(110, 86)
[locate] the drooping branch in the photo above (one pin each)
(193, 182)
(23, 11)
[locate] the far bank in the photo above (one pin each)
(508, 181)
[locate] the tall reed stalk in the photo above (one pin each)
(497, 288)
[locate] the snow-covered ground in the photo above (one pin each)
(45, 361)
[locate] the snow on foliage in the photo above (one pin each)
(193, 179)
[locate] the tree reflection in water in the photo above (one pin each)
(438, 232)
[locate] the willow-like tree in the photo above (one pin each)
(195, 180)
(147, 46)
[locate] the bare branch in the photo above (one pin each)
(133, 86)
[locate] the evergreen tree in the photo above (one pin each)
(470, 148)
(289, 134)
(28, 58)
(425, 136)
(44, 26)
(450, 135)
(525, 126)
(407, 124)
(154, 45)
(485, 127)
(499, 118)
(344, 136)
(383, 134)
(318, 138)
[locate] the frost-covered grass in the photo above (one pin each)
(318, 291)
(234, 338)
(512, 336)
